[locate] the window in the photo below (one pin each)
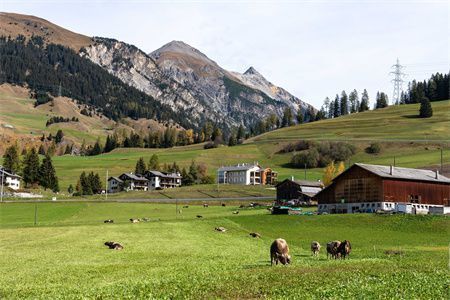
(414, 198)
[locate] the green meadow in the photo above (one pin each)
(176, 256)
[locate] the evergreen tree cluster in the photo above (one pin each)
(88, 184)
(59, 119)
(33, 172)
(46, 68)
(343, 105)
(434, 89)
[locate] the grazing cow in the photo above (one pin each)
(146, 219)
(223, 204)
(220, 229)
(255, 234)
(279, 252)
(186, 206)
(108, 221)
(236, 212)
(134, 220)
(205, 205)
(344, 249)
(199, 216)
(315, 248)
(332, 249)
(114, 245)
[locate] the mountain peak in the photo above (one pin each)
(252, 71)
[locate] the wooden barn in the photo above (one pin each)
(368, 188)
(297, 190)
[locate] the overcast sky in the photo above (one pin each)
(313, 49)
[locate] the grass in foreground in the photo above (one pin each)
(186, 258)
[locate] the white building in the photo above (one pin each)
(9, 179)
(162, 180)
(245, 174)
(114, 184)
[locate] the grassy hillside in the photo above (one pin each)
(264, 149)
(185, 257)
(392, 123)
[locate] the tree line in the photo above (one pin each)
(33, 171)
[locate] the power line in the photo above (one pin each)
(398, 81)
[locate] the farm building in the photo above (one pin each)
(246, 174)
(9, 179)
(368, 188)
(163, 180)
(114, 184)
(301, 191)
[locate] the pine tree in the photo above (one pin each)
(97, 149)
(70, 189)
(232, 141)
(94, 182)
(287, 118)
(299, 116)
(140, 167)
(51, 149)
(47, 175)
(364, 101)
(59, 136)
(344, 103)
(41, 150)
(86, 188)
(336, 108)
(426, 111)
(31, 168)
(11, 160)
(354, 101)
(193, 171)
(382, 100)
(153, 164)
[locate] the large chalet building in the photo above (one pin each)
(246, 174)
(151, 180)
(368, 188)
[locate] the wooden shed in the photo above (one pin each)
(367, 188)
(298, 190)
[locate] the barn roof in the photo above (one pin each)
(404, 173)
(303, 183)
(161, 174)
(239, 167)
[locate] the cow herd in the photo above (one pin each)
(279, 250)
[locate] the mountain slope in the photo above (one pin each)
(177, 76)
(16, 24)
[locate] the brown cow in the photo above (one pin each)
(332, 249)
(279, 251)
(255, 234)
(114, 245)
(315, 248)
(344, 249)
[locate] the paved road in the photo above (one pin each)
(162, 200)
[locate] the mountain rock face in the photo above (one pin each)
(176, 75)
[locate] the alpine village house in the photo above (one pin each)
(151, 180)
(9, 179)
(246, 174)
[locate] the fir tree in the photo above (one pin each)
(354, 101)
(364, 101)
(140, 167)
(11, 160)
(344, 103)
(31, 168)
(153, 164)
(287, 118)
(232, 141)
(426, 111)
(41, 150)
(59, 136)
(299, 116)
(336, 108)
(47, 175)
(97, 149)
(193, 172)
(86, 188)
(70, 189)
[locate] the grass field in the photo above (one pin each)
(179, 256)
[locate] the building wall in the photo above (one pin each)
(288, 190)
(12, 182)
(357, 185)
(416, 192)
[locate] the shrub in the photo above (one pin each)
(310, 158)
(210, 145)
(374, 148)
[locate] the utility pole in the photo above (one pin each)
(1, 192)
(442, 160)
(106, 186)
(305, 171)
(398, 81)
